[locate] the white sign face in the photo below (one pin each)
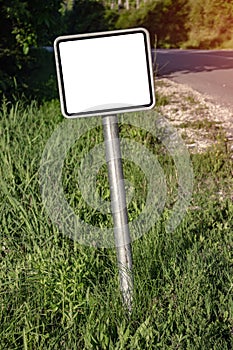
(104, 73)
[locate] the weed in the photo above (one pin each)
(162, 100)
(57, 294)
(190, 99)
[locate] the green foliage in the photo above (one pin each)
(24, 24)
(28, 24)
(56, 294)
(89, 16)
(186, 23)
(172, 23)
(165, 19)
(210, 23)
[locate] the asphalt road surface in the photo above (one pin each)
(207, 71)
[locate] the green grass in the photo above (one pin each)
(57, 294)
(162, 100)
(203, 124)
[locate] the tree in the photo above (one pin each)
(27, 23)
(210, 23)
(24, 24)
(89, 16)
(165, 19)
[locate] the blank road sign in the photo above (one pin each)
(104, 73)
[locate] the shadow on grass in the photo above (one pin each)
(35, 80)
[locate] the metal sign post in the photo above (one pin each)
(119, 207)
(117, 79)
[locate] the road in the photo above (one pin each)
(207, 71)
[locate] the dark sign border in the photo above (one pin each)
(98, 35)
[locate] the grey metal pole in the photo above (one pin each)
(119, 207)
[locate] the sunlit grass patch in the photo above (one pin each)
(58, 294)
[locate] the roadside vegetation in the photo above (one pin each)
(27, 26)
(58, 294)
(55, 293)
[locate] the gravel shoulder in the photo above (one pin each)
(200, 121)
